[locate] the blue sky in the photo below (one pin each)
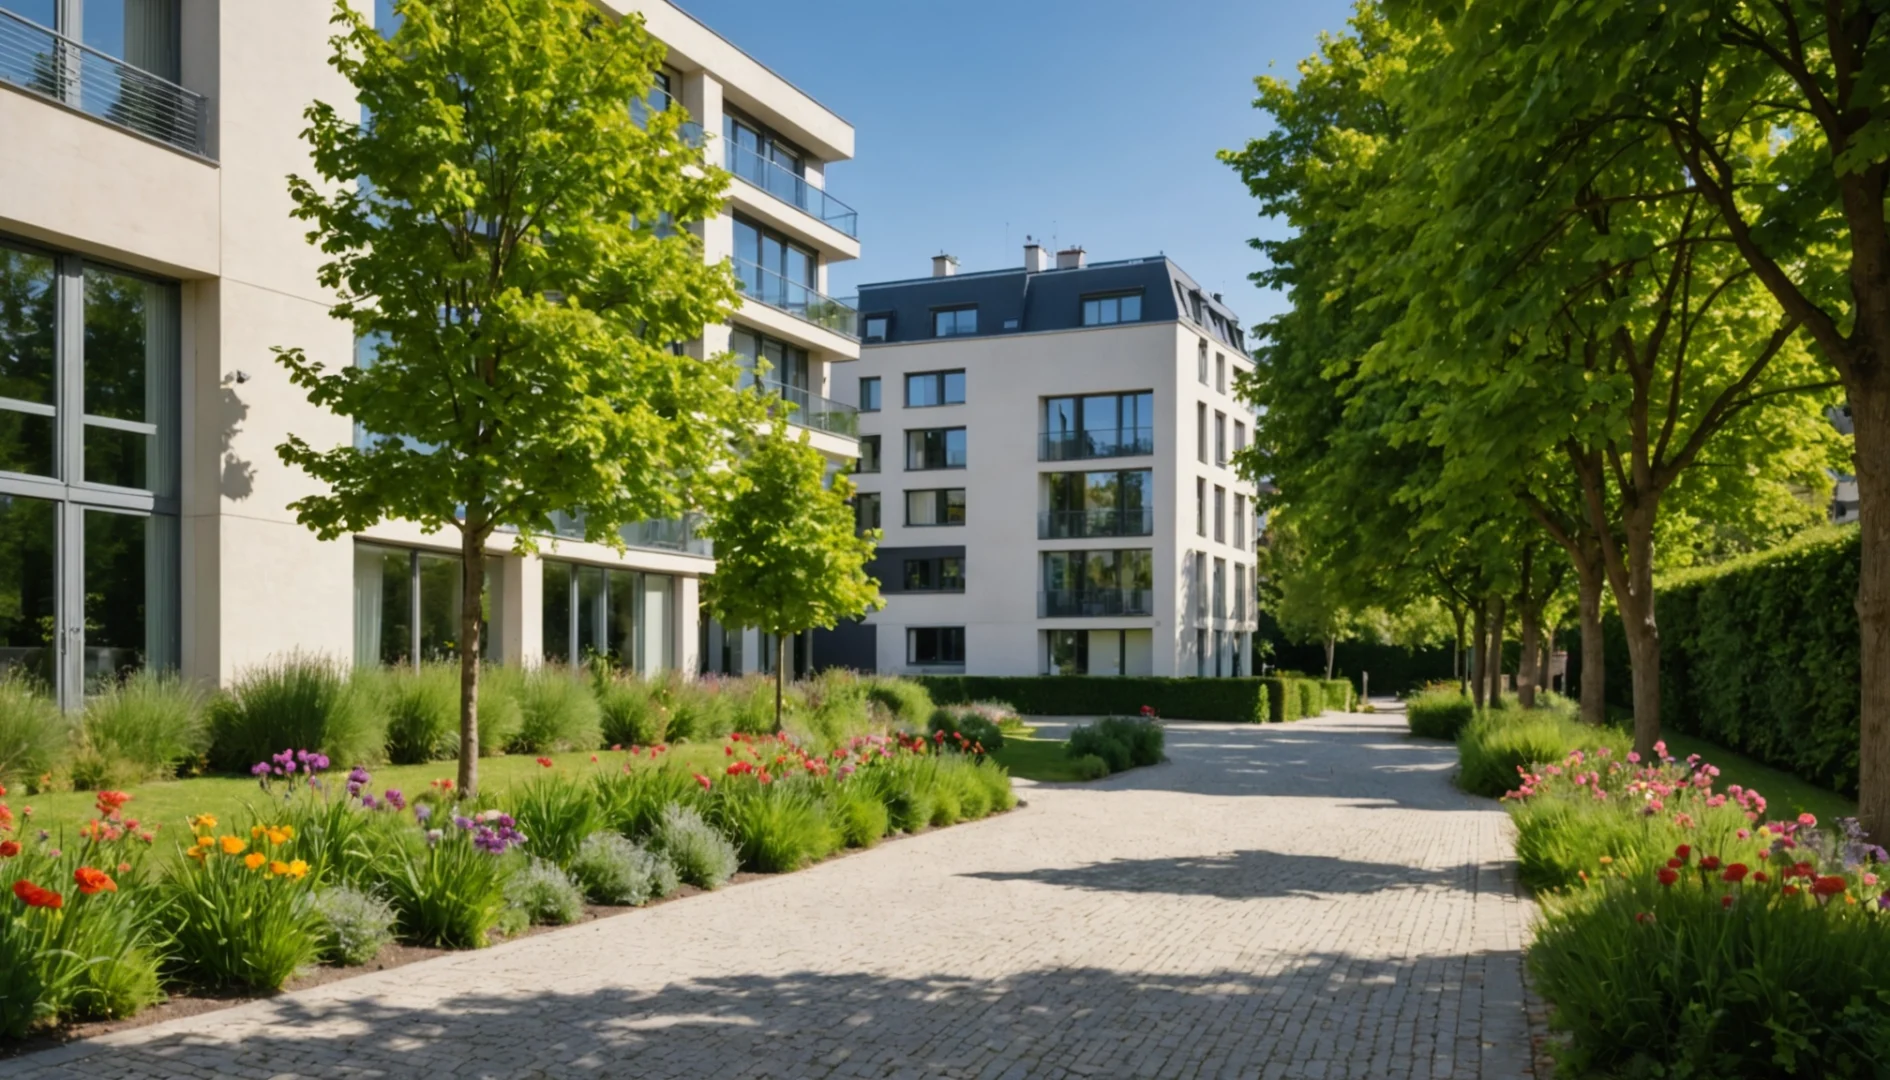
(1090, 122)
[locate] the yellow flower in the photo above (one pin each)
(287, 831)
(275, 835)
(233, 846)
(298, 869)
(254, 860)
(204, 821)
(255, 832)
(276, 867)
(1606, 859)
(195, 853)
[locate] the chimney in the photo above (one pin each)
(1070, 259)
(944, 265)
(1036, 259)
(1217, 299)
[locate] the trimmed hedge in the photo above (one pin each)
(1237, 700)
(1760, 655)
(1338, 693)
(1292, 698)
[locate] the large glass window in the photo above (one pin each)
(940, 506)
(774, 269)
(953, 322)
(866, 510)
(1098, 425)
(869, 394)
(623, 616)
(29, 552)
(407, 606)
(935, 645)
(945, 573)
(1111, 503)
(935, 448)
(29, 292)
(935, 388)
(1082, 583)
(787, 365)
(1069, 651)
(1107, 310)
(869, 454)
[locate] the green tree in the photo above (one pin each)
(516, 249)
(787, 555)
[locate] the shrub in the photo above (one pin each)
(704, 708)
(1089, 767)
(1497, 743)
(613, 870)
(447, 890)
(1242, 700)
(702, 856)
(240, 911)
(1439, 713)
(1091, 740)
(1312, 700)
(1337, 694)
(301, 701)
(858, 814)
(776, 827)
(92, 958)
(629, 712)
(556, 815)
(500, 715)
(906, 701)
(33, 732)
(545, 894)
(556, 712)
(152, 721)
(901, 785)
(834, 706)
(966, 721)
(631, 803)
(422, 709)
(355, 924)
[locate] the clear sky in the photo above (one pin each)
(1090, 122)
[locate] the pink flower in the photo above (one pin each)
(1807, 821)
(1634, 757)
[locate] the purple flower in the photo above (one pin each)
(261, 768)
(421, 813)
(367, 801)
(395, 799)
(461, 821)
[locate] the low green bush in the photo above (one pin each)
(1121, 742)
(33, 732)
(629, 712)
(966, 721)
(834, 706)
(234, 916)
(556, 815)
(301, 702)
(632, 803)
(447, 891)
(355, 924)
(152, 721)
(858, 815)
(613, 870)
(422, 709)
(1439, 714)
(901, 785)
(556, 712)
(776, 827)
(544, 894)
(500, 716)
(702, 856)
(1089, 767)
(1498, 742)
(1241, 700)
(707, 708)
(1337, 694)
(906, 701)
(1312, 698)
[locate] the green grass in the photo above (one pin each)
(1785, 795)
(170, 802)
(1040, 759)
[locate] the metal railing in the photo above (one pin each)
(1077, 524)
(665, 534)
(798, 300)
(812, 410)
(792, 188)
(46, 62)
(1078, 603)
(1080, 446)
(688, 131)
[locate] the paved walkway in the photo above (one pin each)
(1309, 900)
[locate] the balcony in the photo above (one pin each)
(667, 534)
(1089, 603)
(60, 69)
(792, 188)
(813, 411)
(798, 300)
(1081, 524)
(688, 131)
(1083, 446)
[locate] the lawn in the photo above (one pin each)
(168, 803)
(1785, 795)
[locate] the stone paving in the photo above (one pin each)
(1310, 900)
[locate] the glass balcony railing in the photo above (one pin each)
(811, 410)
(1080, 603)
(48, 63)
(791, 188)
(640, 110)
(798, 300)
(1078, 524)
(1079, 446)
(667, 534)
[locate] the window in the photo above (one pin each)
(935, 448)
(787, 364)
(1220, 438)
(765, 160)
(866, 510)
(1200, 586)
(869, 453)
(1115, 503)
(1240, 592)
(869, 394)
(1220, 373)
(1220, 649)
(1097, 583)
(1220, 588)
(623, 616)
(937, 506)
(1200, 507)
(774, 269)
(953, 322)
(1240, 521)
(935, 388)
(1098, 425)
(1220, 514)
(1069, 651)
(1201, 363)
(877, 326)
(1240, 437)
(1200, 652)
(1200, 432)
(1107, 310)
(935, 645)
(946, 573)
(406, 606)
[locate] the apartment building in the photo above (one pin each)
(1047, 450)
(148, 263)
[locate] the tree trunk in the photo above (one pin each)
(1870, 413)
(1545, 654)
(1480, 656)
(1526, 669)
(472, 590)
(1636, 602)
(1331, 643)
(780, 674)
(1589, 580)
(1456, 649)
(1496, 653)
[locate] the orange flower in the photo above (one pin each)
(34, 896)
(204, 821)
(298, 869)
(232, 845)
(254, 860)
(9, 848)
(278, 868)
(92, 881)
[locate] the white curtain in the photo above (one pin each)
(368, 590)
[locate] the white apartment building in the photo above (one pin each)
(148, 263)
(1047, 451)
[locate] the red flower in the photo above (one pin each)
(109, 802)
(545, 761)
(703, 780)
(1668, 875)
(1683, 851)
(1675, 864)
(34, 896)
(1791, 890)
(92, 881)
(1830, 885)
(729, 750)
(9, 848)
(1737, 873)
(1726, 901)
(1760, 877)
(1644, 917)
(1711, 862)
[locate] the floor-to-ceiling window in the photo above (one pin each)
(407, 606)
(89, 374)
(624, 616)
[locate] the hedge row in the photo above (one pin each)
(1760, 655)
(1292, 698)
(1241, 701)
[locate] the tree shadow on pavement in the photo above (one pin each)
(1319, 1014)
(1243, 875)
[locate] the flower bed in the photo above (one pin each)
(328, 867)
(1683, 934)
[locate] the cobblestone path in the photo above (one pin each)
(1307, 900)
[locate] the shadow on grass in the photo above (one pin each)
(1326, 1014)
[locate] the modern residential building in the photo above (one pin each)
(1047, 451)
(148, 263)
